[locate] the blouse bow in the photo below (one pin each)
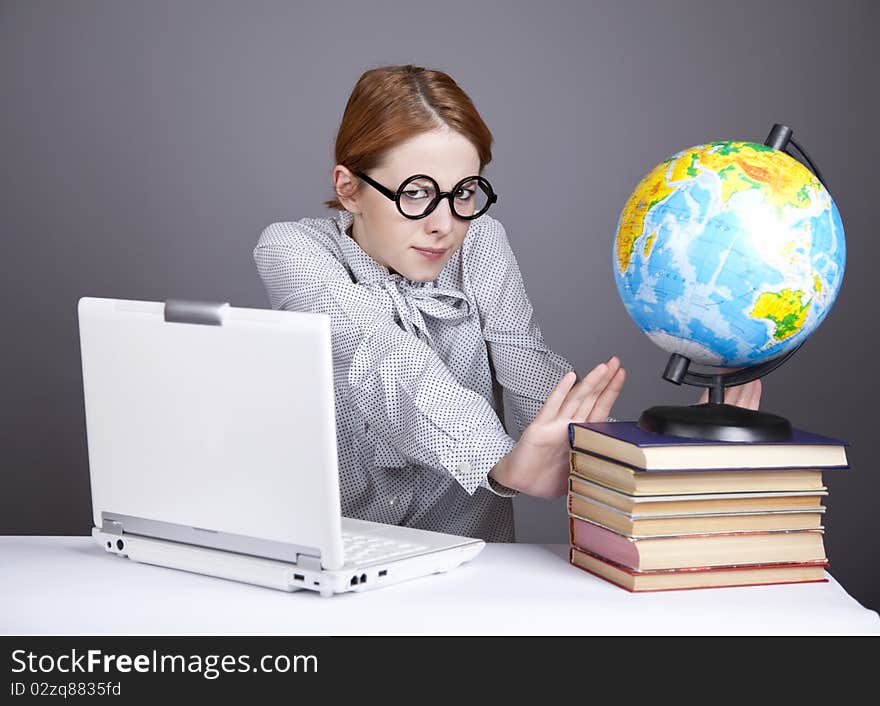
(413, 303)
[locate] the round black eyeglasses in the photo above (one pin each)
(419, 195)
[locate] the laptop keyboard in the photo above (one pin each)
(365, 548)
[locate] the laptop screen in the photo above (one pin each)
(223, 423)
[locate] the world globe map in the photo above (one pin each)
(729, 253)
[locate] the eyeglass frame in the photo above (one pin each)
(449, 195)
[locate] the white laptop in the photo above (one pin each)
(212, 448)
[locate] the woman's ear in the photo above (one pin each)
(346, 186)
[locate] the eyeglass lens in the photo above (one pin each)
(419, 194)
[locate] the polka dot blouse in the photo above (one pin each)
(424, 372)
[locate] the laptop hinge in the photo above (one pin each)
(181, 311)
(302, 555)
(307, 561)
(111, 527)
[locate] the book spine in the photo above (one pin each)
(714, 469)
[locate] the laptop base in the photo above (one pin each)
(280, 575)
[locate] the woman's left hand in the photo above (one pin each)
(748, 395)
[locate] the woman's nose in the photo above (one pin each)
(441, 220)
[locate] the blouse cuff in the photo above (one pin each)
(470, 460)
(499, 489)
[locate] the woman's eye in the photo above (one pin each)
(415, 193)
(464, 194)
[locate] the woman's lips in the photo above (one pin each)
(431, 254)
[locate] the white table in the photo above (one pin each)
(70, 586)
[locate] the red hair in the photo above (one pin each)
(391, 104)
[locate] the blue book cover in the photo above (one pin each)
(632, 433)
(629, 445)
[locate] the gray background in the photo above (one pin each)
(146, 144)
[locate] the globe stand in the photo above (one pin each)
(716, 420)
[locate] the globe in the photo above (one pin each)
(729, 253)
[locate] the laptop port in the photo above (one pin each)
(354, 580)
(363, 578)
(383, 572)
(120, 544)
(299, 577)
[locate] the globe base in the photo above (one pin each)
(716, 422)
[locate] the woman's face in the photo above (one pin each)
(397, 242)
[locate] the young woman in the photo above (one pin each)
(434, 338)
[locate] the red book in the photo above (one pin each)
(698, 550)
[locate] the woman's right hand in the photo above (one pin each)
(539, 463)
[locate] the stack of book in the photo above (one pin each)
(650, 512)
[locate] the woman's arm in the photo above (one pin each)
(524, 365)
(408, 397)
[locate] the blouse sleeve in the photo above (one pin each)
(408, 397)
(524, 365)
